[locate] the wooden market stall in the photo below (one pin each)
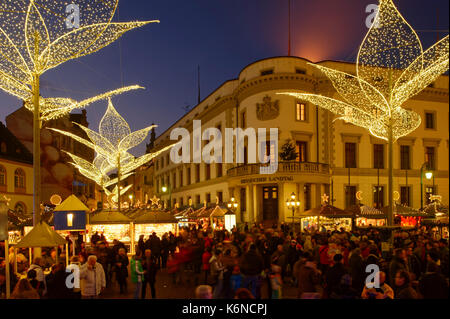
(154, 221)
(366, 216)
(112, 224)
(326, 217)
(222, 218)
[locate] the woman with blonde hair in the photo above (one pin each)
(23, 290)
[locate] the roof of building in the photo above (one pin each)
(42, 235)
(73, 204)
(15, 150)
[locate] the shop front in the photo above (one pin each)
(326, 218)
(112, 224)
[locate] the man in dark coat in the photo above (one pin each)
(334, 274)
(397, 263)
(357, 270)
(433, 284)
(150, 270)
(251, 267)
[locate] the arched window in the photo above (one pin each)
(20, 208)
(19, 179)
(3, 148)
(2, 178)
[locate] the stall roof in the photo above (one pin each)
(109, 217)
(328, 211)
(155, 217)
(42, 235)
(220, 211)
(72, 203)
(407, 211)
(369, 212)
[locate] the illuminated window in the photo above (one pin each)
(19, 179)
(405, 195)
(378, 197)
(300, 111)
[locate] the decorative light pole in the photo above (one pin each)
(428, 175)
(230, 217)
(233, 205)
(294, 204)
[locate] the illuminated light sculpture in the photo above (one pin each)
(111, 144)
(34, 38)
(391, 68)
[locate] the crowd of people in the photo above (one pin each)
(251, 263)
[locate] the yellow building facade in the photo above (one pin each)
(334, 158)
(16, 173)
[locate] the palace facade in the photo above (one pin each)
(333, 157)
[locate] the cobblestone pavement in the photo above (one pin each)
(166, 289)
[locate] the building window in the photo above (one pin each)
(3, 148)
(181, 202)
(220, 197)
(378, 156)
(188, 177)
(243, 119)
(405, 157)
(168, 160)
(350, 196)
(266, 72)
(162, 163)
(307, 194)
(430, 157)
(219, 169)
(302, 151)
(269, 153)
(405, 195)
(181, 178)
(300, 111)
(350, 155)
(208, 197)
(2, 176)
(300, 71)
(378, 197)
(19, 179)
(430, 121)
(197, 173)
(174, 180)
(156, 164)
(197, 199)
(207, 171)
(429, 190)
(20, 208)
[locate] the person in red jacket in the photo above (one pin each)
(205, 263)
(324, 257)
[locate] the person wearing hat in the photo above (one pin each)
(334, 274)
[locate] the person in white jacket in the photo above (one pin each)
(92, 277)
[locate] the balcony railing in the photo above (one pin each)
(283, 167)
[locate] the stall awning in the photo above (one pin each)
(42, 235)
(407, 211)
(369, 213)
(220, 212)
(71, 204)
(155, 217)
(109, 217)
(203, 212)
(334, 212)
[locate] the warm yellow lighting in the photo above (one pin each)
(429, 175)
(34, 38)
(391, 68)
(69, 220)
(130, 196)
(164, 189)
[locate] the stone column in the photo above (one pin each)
(249, 199)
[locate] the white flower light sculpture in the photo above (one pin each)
(111, 145)
(34, 38)
(391, 68)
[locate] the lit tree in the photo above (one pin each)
(111, 144)
(391, 68)
(36, 36)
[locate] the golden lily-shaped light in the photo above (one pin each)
(391, 68)
(34, 38)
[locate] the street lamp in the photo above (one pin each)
(428, 175)
(166, 189)
(294, 204)
(131, 199)
(230, 218)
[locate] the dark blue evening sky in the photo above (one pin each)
(222, 36)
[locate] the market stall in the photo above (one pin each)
(154, 221)
(366, 216)
(183, 217)
(112, 224)
(223, 218)
(202, 216)
(326, 217)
